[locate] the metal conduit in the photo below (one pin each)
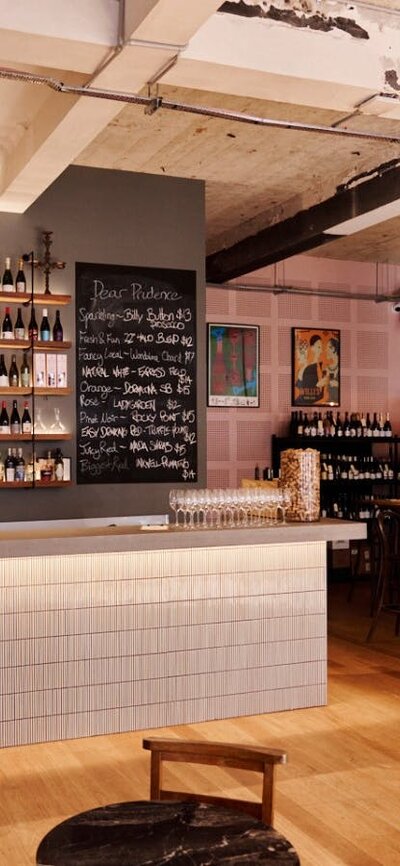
(296, 290)
(159, 102)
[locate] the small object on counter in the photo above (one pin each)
(257, 473)
(300, 474)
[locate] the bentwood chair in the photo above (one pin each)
(215, 754)
(387, 592)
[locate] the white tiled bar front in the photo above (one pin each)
(194, 626)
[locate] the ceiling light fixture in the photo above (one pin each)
(366, 220)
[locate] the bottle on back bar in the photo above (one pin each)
(20, 280)
(387, 427)
(9, 466)
(13, 375)
(26, 422)
(20, 466)
(3, 373)
(7, 331)
(59, 465)
(4, 419)
(58, 333)
(7, 281)
(25, 372)
(15, 421)
(45, 327)
(33, 328)
(19, 327)
(375, 425)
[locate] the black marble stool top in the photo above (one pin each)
(156, 833)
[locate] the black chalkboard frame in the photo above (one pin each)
(139, 303)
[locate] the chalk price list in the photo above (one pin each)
(136, 375)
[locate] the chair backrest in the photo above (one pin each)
(388, 527)
(221, 755)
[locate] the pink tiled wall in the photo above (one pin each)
(238, 439)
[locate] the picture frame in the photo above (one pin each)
(233, 367)
(315, 366)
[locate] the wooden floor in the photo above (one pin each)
(337, 800)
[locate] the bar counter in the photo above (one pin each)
(114, 628)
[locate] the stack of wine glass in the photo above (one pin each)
(218, 508)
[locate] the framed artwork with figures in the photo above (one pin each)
(315, 367)
(233, 365)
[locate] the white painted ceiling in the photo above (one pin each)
(305, 61)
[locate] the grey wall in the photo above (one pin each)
(112, 217)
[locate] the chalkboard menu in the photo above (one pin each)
(136, 374)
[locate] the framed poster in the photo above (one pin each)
(233, 365)
(315, 367)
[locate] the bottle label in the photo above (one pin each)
(21, 286)
(45, 336)
(20, 472)
(4, 383)
(15, 429)
(19, 333)
(10, 473)
(27, 427)
(7, 335)
(5, 429)
(25, 380)
(8, 287)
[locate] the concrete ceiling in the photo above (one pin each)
(315, 62)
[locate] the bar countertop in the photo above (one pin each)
(62, 537)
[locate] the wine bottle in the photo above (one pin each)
(3, 373)
(367, 428)
(25, 372)
(58, 332)
(339, 425)
(58, 465)
(346, 425)
(19, 327)
(26, 421)
(33, 328)
(387, 427)
(9, 465)
(20, 280)
(45, 327)
(15, 421)
(7, 281)
(13, 375)
(20, 466)
(375, 425)
(7, 331)
(4, 419)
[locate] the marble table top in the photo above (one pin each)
(156, 833)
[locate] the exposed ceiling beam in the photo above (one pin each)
(305, 230)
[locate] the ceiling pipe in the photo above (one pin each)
(223, 114)
(296, 290)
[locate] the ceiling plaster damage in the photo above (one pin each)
(296, 15)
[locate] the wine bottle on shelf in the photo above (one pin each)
(4, 382)
(58, 333)
(33, 328)
(346, 425)
(300, 424)
(15, 420)
(7, 282)
(20, 279)
(4, 419)
(368, 427)
(20, 466)
(9, 466)
(13, 375)
(45, 327)
(387, 427)
(19, 327)
(25, 372)
(26, 421)
(7, 331)
(58, 465)
(375, 425)
(339, 425)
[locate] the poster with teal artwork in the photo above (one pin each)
(233, 365)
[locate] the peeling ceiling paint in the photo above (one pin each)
(295, 17)
(392, 79)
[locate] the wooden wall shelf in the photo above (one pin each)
(26, 298)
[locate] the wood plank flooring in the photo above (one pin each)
(337, 800)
